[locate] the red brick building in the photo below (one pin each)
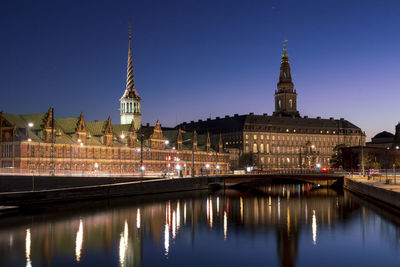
(42, 143)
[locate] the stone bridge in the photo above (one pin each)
(322, 179)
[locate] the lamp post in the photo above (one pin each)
(207, 168)
(120, 155)
(52, 173)
(394, 165)
(142, 168)
(28, 151)
(30, 125)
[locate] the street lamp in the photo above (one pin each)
(207, 167)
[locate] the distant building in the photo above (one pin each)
(386, 140)
(285, 139)
(383, 140)
(42, 143)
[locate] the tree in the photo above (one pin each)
(246, 160)
(375, 165)
(337, 157)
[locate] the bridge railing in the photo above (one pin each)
(291, 171)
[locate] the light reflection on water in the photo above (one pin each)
(196, 228)
(28, 248)
(79, 241)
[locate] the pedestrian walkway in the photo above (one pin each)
(379, 182)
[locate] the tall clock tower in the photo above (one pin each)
(285, 95)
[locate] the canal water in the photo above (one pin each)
(270, 225)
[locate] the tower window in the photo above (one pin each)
(280, 103)
(291, 103)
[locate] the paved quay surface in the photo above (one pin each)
(379, 183)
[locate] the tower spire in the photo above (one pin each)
(285, 75)
(285, 95)
(130, 100)
(130, 79)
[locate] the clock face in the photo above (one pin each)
(7, 136)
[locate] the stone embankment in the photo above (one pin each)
(107, 190)
(389, 194)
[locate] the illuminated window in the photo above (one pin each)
(291, 103)
(262, 148)
(255, 150)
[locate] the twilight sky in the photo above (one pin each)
(195, 58)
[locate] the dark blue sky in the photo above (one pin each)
(193, 59)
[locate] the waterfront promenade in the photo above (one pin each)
(374, 188)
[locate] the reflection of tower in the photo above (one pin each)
(287, 247)
(287, 241)
(131, 101)
(137, 244)
(48, 245)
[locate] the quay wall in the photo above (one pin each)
(14, 183)
(387, 196)
(107, 191)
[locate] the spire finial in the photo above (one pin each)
(130, 30)
(285, 46)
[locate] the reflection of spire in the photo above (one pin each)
(28, 248)
(225, 226)
(166, 239)
(138, 219)
(123, 245)
(178, 216)
(314, 228)
(79, 241)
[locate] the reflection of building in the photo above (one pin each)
(288, 213)
(281, 140)
(40, 142)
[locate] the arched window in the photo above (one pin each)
(261, 148)
(291, 103)
(255, 150)
(279, 103)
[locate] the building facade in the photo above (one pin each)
(285, 139)
(39, 143)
